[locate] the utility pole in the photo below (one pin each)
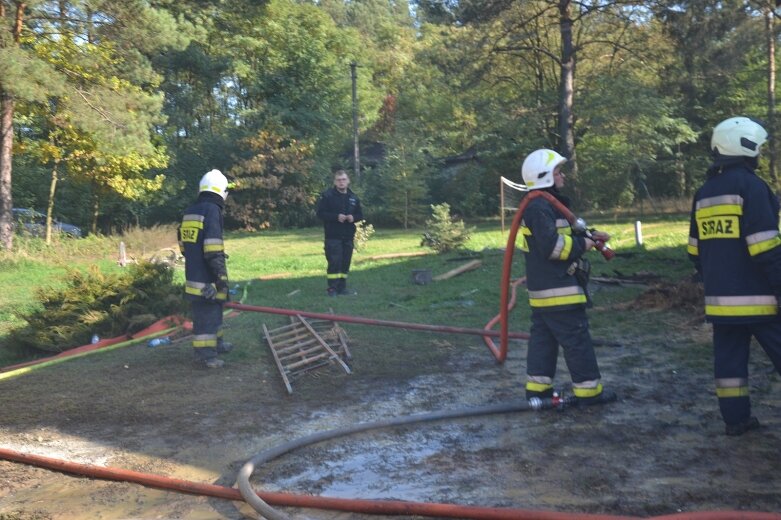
(356, 153)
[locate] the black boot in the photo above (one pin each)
(733, 430)
(606, 396)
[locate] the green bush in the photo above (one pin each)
(96, 303)
(442, 233)
(363, 232)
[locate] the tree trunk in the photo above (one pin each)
(406, 209)
(7, 141)
(50, 204)
(567, 90)
(770, 34)
(95, 210)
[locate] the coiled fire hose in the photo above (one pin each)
(268, 512)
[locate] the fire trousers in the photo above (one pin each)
(731, 347)
(207, 327)
(339, 254)
(570, 329)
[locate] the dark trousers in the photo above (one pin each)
(207, 327)
(339, 254)
(731, 347)
(570, 330)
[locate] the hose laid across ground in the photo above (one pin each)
(251, 497)
(378, 507)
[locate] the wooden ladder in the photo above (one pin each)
(305, 344)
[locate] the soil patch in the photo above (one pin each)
(660, 449)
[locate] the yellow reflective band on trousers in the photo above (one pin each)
(762, 242)
(732, 392)
(764, 305)
(560, 296)
(336, 276)
(205, 340)
(587, 392)
(537, 387)
(732, 387)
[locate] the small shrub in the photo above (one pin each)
(363, 232)
(96, 303)
(442, 233)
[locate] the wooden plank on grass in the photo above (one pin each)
(469, 266)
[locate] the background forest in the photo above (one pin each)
(112, 110)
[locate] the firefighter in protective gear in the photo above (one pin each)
(339, 209)
(557, 300)
(206, 275)
(736, 249)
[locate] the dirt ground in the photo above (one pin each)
(659, 450)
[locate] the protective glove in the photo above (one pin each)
(222, 287)
(209, 291)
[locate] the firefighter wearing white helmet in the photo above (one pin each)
(557, 298)
(538, 167)
(214, 181)
(738, 136)
(736, 249)
(206, 273)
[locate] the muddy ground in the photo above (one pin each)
(660, 449)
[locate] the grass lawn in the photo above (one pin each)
(287, 269)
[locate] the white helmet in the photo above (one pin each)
(215, 182)
(537, 169)
(738, 136)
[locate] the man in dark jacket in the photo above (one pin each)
(339, 209)
(557, 299)
(734, 243)
(206, 275)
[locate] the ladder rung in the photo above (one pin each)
(307, 361)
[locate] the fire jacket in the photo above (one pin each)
(550, 250)
(734, 244)
(330, 205)
(200, 241)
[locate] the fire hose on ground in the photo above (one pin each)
(261, 501)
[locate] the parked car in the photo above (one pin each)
(34, 223)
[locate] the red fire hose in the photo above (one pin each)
(378, 507)
(370, 321)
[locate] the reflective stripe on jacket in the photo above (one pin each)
(201, 243)
(550, 249)
(734, 242)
